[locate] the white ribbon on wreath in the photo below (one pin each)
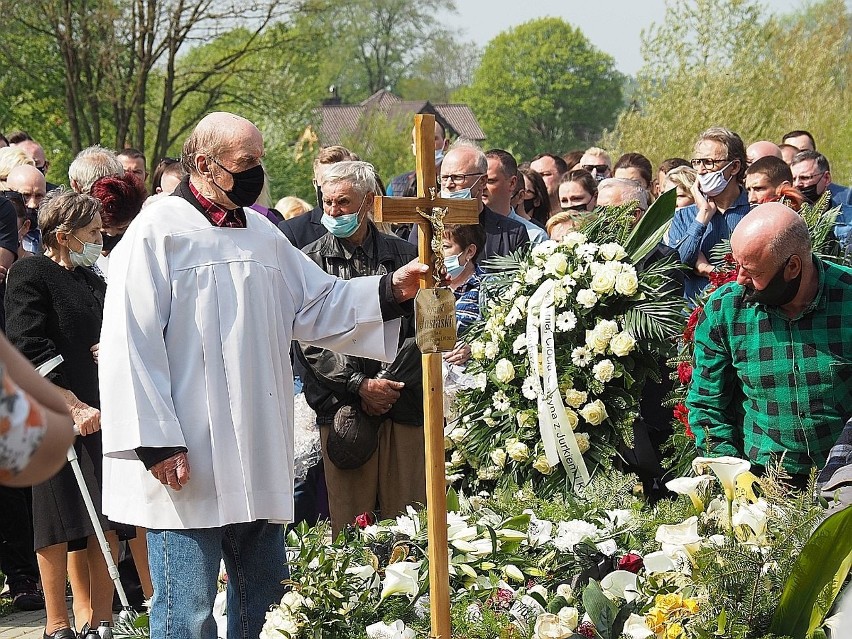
(557, 436)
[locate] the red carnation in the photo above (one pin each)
(364, 519)
(681, 413)
(631, 562)
(587, 629)
(689, 331)
(684, 372)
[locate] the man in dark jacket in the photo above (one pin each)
(370, 413)
(304, 229)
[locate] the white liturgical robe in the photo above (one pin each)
(195, 352)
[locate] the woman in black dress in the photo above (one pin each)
(54, 306)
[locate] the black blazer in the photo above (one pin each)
(304, 229)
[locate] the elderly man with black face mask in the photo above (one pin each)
(773, 350)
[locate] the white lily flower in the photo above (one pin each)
(755, 517)
(726, 469)
(620, 584)
(401, 578)
(690, 486)
(679, 539)
(635, 628)
(658, 562)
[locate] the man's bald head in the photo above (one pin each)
(221, 133)
(772, 232)
(761, 149)
(34, 150)
(29, 182)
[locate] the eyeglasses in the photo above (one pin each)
(706, 163)
(43, 168)
(808, 178)
(458, 178)
(599, 168)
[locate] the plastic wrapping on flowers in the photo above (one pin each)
(611, 324)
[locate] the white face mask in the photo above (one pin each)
(88, 256)
(712, 184)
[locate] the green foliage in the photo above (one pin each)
(756, 74)
(385, 142)
(543, 86)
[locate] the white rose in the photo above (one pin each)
(572, 418)
(491, 350)
(458, 435)
(548, 626)
(569, 617)
(573, 239)
(504, 371)
(498, 456)
(541, 465)
(597, 341)
(582, 442)
(603, 281)
(576, 398)
(626, 284)
(557, 264)
(622, 344)
(603, 370)
(612, 251)
(565, 591)
(594, 412)
(518, 451)
(477, 350)
(586, 298)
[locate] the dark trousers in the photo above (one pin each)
(17, 558)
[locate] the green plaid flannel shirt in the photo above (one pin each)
(764, 384)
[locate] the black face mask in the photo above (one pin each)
(810, 193)
(110, 241)
(778, 292)
(576, 207)
(247, 187)
(529, 205)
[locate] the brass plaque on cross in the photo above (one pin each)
(430, 212)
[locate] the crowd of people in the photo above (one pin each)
(189, 309)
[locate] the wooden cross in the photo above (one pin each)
(395, 210)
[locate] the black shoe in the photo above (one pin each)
(64, 633)
(27, 596)
(87, 633)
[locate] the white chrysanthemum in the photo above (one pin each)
(501, 401)
(572, 532)
(488, 473)
(545, 248)
(607, 327)
(604, 370)
(533, 275)
(520, 344)
(622, 344)
(528, 390)
(566, 321)
(581, 356)
(504, 371)
(582, 442)
(541, 465)
(612, 251)
(594, 412)
(573, 239)
(480, 381)
(586, 298)
(576, 398)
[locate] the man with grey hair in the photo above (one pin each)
(619, 191)
(463, 175)
(720, 203)
(205, 296)
(381, 461)
(91, 164)
(772, 378)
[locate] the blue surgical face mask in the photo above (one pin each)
(461, 194)
(439, 155)
(711, 184)
(454, 269)
(88, 256)
(345, 225)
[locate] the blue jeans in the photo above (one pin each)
(185, 571)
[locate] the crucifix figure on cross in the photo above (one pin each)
(432, 308)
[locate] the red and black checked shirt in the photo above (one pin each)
(217, 215)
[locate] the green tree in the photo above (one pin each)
(757, 74)
(542, 86)
(444, 67)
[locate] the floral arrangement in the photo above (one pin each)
(579, 315)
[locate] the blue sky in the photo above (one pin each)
(612, 26)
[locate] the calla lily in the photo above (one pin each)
(658, 562)
(620, 584)
(753, 516)
(514, 573)
(726, 469)
(635, 628)
(401, 578)
(682, 534)
(744, 486)
(366, 573)
(690, 486)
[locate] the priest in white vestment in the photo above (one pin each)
(205, 296)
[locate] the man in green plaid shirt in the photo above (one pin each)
(773, 350)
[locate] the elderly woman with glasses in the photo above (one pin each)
(54, 307)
